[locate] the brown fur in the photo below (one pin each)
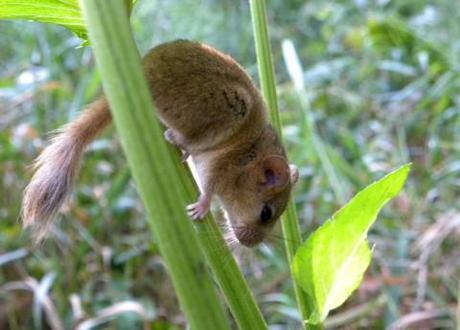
(213, 110)
(57, 166)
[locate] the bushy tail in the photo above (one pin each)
(57, 167)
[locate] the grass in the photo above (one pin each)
(375, 105)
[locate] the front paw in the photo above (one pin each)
(169, 136)
(199, 209)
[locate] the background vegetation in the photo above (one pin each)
(382, 81)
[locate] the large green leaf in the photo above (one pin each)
(62, 12)
(330, 265)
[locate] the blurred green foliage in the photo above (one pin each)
(382, 79)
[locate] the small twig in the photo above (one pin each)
(430, 242)
(111, 312)
(13, 255)
(32, 285)
(413, 318)
(77, 309)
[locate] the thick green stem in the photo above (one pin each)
(289, 221)
(150, 161)
(164, 183)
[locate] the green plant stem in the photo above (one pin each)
(289, 221)
(166, 187)
(150, 161)
(264, 60)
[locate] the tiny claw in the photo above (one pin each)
(199, 209)
(185, 155)
(171, 137)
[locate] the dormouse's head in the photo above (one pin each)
(263, 191)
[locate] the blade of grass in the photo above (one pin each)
(296, 73)
(289, 220)
(264, 60)
(173, 190)
(149, 160)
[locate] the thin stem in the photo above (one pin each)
(289, 221)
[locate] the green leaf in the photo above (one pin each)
(330, 265)
(61, 12)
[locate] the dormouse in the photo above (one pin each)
(212, 111)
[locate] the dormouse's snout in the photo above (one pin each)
(248, 236)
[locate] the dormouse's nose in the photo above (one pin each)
(249, 236)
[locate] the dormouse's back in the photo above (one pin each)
(192, 62)
(203, 94)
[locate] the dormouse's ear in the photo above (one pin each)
(294, 173)
(276, 172)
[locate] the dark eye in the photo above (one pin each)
(266, 214)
